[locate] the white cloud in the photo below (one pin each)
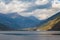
(14, 6)
(26, 14)
(41, 2)
(56, 4)
(43, 14)
(19, 7)
(2, 6)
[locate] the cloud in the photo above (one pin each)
(6, 1)
(28, 0)
(56, 4)
(42, 9)
(3, 7)
(35, 7)
(43, 14)
(14, 6)
(41, 2)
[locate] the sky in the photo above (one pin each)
(41, 9)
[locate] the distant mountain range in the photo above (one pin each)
(7, 21)
(50, 24)
(14, 21)
(24, 22)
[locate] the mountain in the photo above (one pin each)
(5, 28)
(16, 22)
(56, 27)
(52, 24)
(7, 21)
(24, 22)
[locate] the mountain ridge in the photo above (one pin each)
(50, 23)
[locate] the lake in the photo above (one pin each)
(29, 35)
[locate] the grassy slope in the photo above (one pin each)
(49, 24)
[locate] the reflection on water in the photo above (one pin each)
(26, 35)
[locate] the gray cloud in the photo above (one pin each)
(6, 1)
(45, 6)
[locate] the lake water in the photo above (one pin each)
(29, 35)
